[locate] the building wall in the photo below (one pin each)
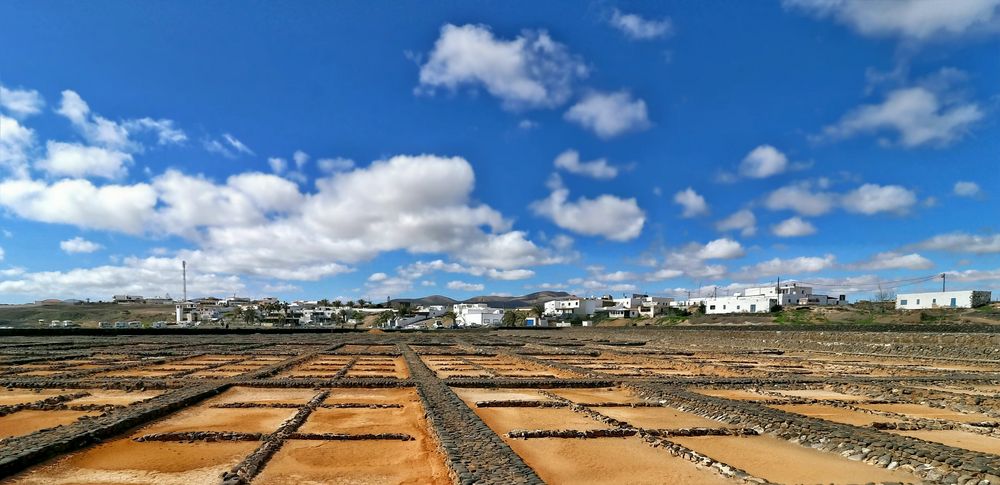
(739, 304)
(942, 299)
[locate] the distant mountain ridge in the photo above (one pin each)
(495, 301)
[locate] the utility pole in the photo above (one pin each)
(184, 272)
(715, 292)
(944, 279)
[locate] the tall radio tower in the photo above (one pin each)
(184, 272)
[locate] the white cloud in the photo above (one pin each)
(79, 245)
(917, 115)
(609, 114)
(229, 146)
(724, 248)
(527, 124)
(763, 161)
(278, 165)
(967, 189)
(376, 277)
(802, 199)
(529, 71)
(75, 160)
(103, 132)
(463, 286)
(2, 254)
(638, 28)
(694, 204)
(960, 242)
(149, 276)
(300, 158)
(569, 161)
(331, 165)
(793, 227)
(742, 220)
(21, 103)
(914, 20)
(871, 199)
(608, 216)
(895, 260)
(15, 142)
(788, 267)
(125, 208)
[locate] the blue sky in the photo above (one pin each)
(361, 149)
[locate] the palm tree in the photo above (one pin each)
(250, 316)
(238, 314)
(338, 303)
(538, 309)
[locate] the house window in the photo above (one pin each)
(954, 302)
(918, 301)
(712, 307)
(902, 302)
(934, 301)
(723, 307)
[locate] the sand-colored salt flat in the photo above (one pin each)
(503, 420)
(780, 461)
(114, 396)
(355, 462)
(28, 421)
(398, 395)
(927, 412)
(607, 394)
(203, 418)
(10, 397)
(608, 460)
(659, 418)
(362, 420)
(264, 395)
(835, 414)
(820, 394)
(958, 439)
(472, 394)
(137, 373)
(124, 461)
(737, 394)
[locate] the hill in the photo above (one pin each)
(85, 314)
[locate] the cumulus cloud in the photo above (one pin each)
(529, 71)
(106, 133)
(967, 189)
(742, 220)
(694, 204)
(960, 242)
(331, 165)
(763, 161)
(637, 28)
(77, 202)
(801, 198)
(78, 245)
(608, 216)
(75, 160)
(15, 142)
(793, 227)
(788, 267)
(463, 286)
(609, 114)
(894, 260)
(917, 115)
(913, 20)
(20, 103)
(600, 169)
(721, 249)
(872, 199)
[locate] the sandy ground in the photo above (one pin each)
(28, 421)
(919, 411)
(261, 395)
(971, 392)
(608, 394)
(736, 394)
(781, 461)
(114, 396)
(576, 461)
(958, 439)
(136, 373)
(360, 420)
(470, 395)
(127, 462)
(821, 394)
(203, 418)
(503, 420)
(835, 414)
(659, 418)
(23, 396)
(398, 395)
(355, 462)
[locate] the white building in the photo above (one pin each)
(942, 299)
(477, 315)
(761, 299)
(651, 306)
(740, 304)
(572, 306)
(620, 311)
(794, 294)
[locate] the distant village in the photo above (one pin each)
(556, 312)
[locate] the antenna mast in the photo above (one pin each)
(184, 272)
